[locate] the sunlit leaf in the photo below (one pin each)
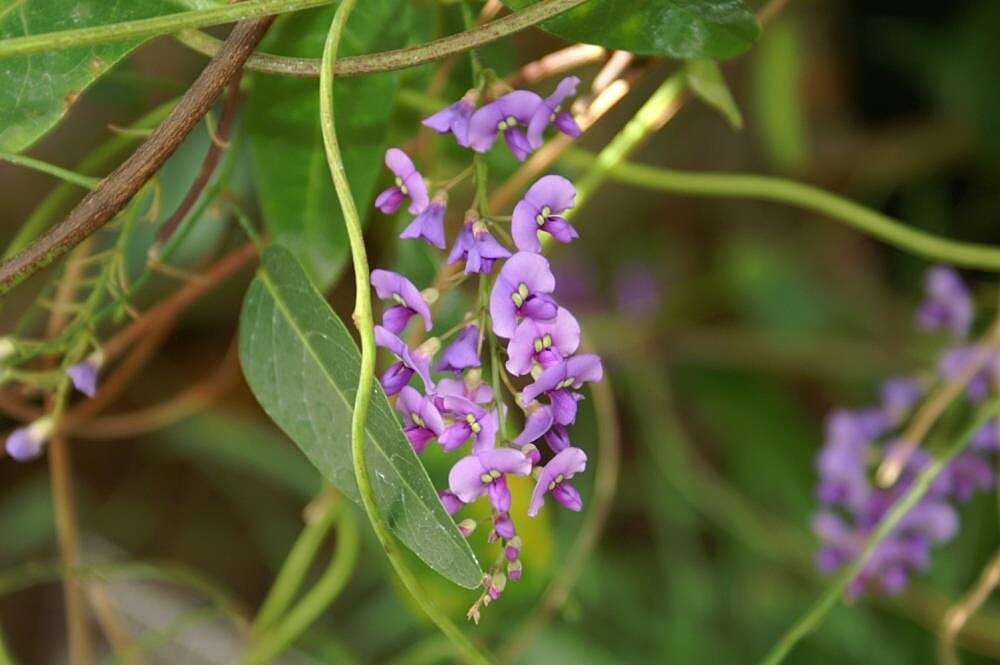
(293, 181)
(714, 29)
(303, 366)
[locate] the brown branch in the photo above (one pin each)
(208, 167)
(115, 191)
(411, 56)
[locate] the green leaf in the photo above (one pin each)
(303, 366)
(296, 194)
(705, 78)
(716, 29)
(37, 90)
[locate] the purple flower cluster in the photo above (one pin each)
(516, 311)
(858, 441)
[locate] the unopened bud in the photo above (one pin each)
(430, 294)
(514, 570)
(531, 451)
(473, 379)
(467, 526)
(430, 347)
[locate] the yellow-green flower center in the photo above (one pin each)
(507, 123)
(402, 187)
(543, 215)
(473, 424)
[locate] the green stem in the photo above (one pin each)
(410, 56)
(364, 321)
(5, 657)
(150, 27)
(63, 174)
(296, 566)
(319, 598)
(767, 188)
(645, 122)
(826, 602)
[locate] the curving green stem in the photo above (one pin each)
(768, 188)
(364, 321)
(284, 633)
(826, 602)
(296, 566)
(150, 27)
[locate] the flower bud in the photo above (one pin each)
(431, 295)
(429, 348)
(26, 443)
(530, 451)
(85, 374)
(467, 526)
(514, 570)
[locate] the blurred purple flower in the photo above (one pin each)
(948, 303)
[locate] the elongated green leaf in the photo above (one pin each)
(705, 78)
(716, 29)
(37, 90)
(303, 366)
(293, 181)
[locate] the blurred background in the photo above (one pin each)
(729, 329)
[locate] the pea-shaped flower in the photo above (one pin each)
(542, 344)
(409, 183)
(509, 114)
(409, 301)
(541, 210)
(550, 111)
(421, 419)
(554, 480)
(522, 291)
(485, 472)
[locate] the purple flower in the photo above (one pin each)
(968, 474)
(948, 303)
(485, 472)
(503, 527)
(554, 479)
(538, 421)
(987, 438)
(463, 353)
(410, 361)
(842, 461)
(508, 115)
(454, 119)
(472, 389)
(429, 224)
(409, 182)
(26, 443)
(558, 438)
(522, 291)
(559, 382)
(541, 209)
(84, 374)
(542, 344)
(899, 395)
(638, 291)
(450, 502)
(393, 286)
(550, 110)
(478, 247)
(421, 419)
(958, 360)
(470, 420)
